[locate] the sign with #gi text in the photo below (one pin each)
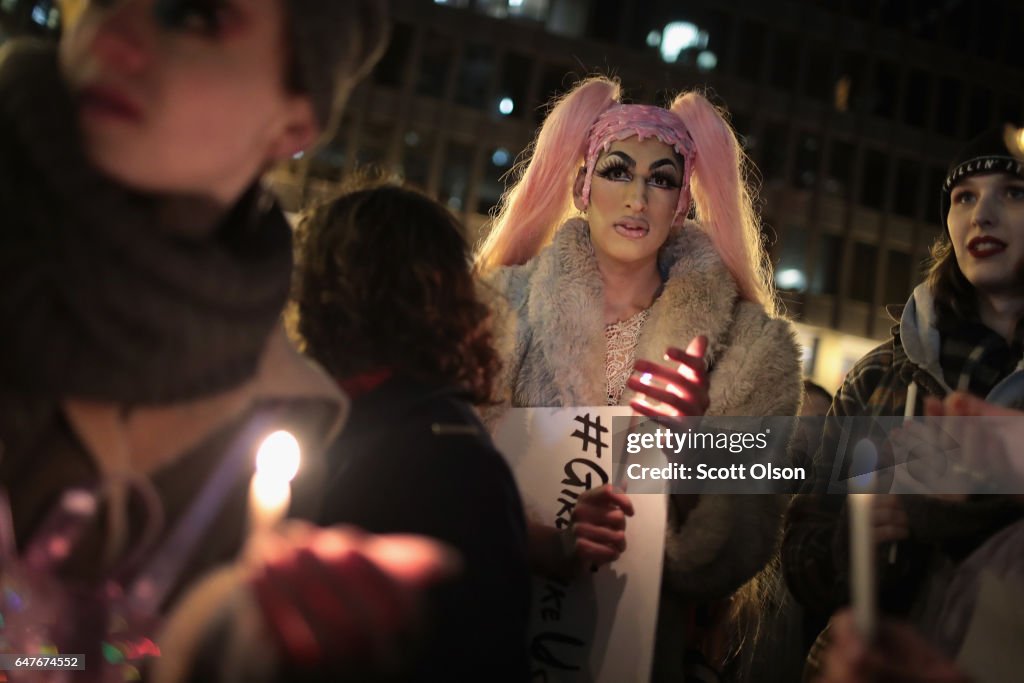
(600, 626)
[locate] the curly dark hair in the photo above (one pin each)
(384, 280)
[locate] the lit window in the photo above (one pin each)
(679, 36)
(40, 15)
(791, 278)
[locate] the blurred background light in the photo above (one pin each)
(678, 36)
(706, 60)
(791, 278)
(501, 157)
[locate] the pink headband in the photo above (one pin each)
(621, 121)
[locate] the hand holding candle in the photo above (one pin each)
(898, 655)
(339, 600)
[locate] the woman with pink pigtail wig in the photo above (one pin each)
(629, 235)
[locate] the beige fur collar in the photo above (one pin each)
(566, 314)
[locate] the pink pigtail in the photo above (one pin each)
(540, 199)
(723, 200)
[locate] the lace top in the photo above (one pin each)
(621, 338)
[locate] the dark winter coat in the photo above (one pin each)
(414, 458)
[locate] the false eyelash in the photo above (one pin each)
(615, 165)
(669, 180)
(620, 166)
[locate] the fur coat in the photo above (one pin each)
(550, 334)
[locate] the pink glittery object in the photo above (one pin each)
(621, 121)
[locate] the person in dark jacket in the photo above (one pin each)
(963, 330)
(899, 653)
(387, 305)
(143, 271)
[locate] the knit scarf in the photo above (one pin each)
(975, 358)
(101, 296)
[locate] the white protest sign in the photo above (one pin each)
(600, 627)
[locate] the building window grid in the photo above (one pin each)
(477, 165)
(917, 230)
(846, 237)
(881, 250)
(899, 109)
(821, 154)
(440, 142)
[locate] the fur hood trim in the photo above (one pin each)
(698, 298)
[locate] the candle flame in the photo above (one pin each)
(277, 459)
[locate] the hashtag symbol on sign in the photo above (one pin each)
(591, 433)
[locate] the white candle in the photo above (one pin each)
(908, 409)
(269, 501)
(863, 584)
(277, 463)
(908, 415)
(859, 503)
(862, 563)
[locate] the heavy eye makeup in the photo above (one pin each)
(615, 168)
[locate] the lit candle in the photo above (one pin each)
(277, 463)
